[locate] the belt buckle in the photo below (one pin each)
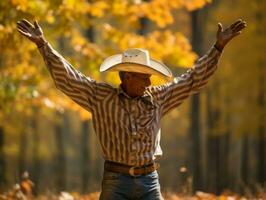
(131, 172)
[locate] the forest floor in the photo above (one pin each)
(95, 196)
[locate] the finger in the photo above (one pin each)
(27, 23)
(237, 22)
(22, 24)
(240, 24)
(36, 25)
(24, 33)
(236, 25)
(239, 27)
(237, 33)
(220, 27)
(22, 27)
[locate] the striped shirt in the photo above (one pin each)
(128, 128)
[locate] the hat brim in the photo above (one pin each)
(114, 63)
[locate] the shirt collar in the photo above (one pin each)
(146, 97)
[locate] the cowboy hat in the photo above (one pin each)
(135, 60)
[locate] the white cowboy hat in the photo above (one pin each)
(135, 60)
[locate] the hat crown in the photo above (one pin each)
(139, 56)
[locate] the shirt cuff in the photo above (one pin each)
(217, 48)
(42, 45)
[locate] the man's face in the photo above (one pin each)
(135, 83)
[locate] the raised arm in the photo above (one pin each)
(174, 93)
(79, 88)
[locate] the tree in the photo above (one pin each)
(241, 76)
(25, 83)
(197, 42)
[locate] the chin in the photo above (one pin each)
(141, 93)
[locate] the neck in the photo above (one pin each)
(128, 91)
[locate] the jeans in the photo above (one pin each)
(116, 186)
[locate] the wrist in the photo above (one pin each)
(41, 42)
(219, 46)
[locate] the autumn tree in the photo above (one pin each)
(26, 87)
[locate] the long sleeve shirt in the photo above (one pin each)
(128, 128)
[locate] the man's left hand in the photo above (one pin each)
(223, 36)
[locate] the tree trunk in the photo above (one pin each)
(85, 160)
(197, 45)
(23, 144)
(35, 151)
(60, 158)
(228, 134)
(244, 163)
(262, 156)
(260, 14)
(224, 161)
(213, 145)
(2, 161)
(86, 164)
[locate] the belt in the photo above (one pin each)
(130, 170)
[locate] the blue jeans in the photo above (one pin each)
(116, 186)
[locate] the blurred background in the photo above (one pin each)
(214, 142)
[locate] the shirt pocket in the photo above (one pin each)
(147, 115)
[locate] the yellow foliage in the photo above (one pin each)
(98, 8)
(156, 80)
(83, 46)
(173, 47)
(157, 11)
(113, 77)
(27, 83)
(50, 17)
(72, 10)
(119, 7)
(20, 4)
(195, 4)
(160, 11)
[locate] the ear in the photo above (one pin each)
(123, 76)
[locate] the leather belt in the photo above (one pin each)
(130, 170)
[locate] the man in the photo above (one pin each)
(127, 119)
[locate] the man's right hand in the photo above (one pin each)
(32, 32)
